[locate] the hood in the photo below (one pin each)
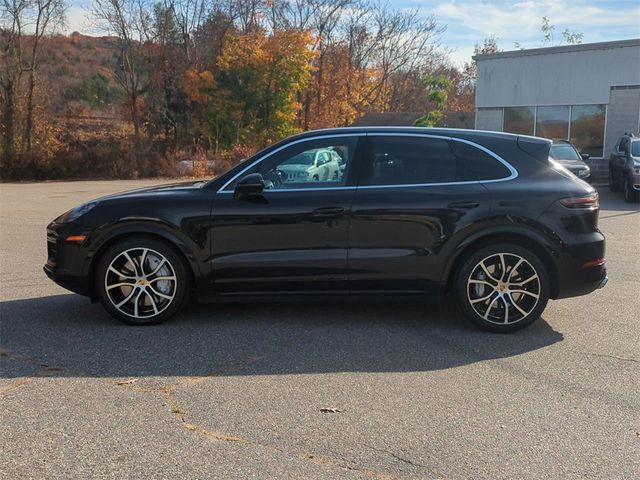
(294, 168)
(572, 164)
(166, 188)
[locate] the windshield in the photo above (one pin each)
(635, 149)
(564, 152)
(304, 158)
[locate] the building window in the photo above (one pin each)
(553, 122)
(519, 120)
(587, 129)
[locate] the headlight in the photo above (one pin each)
(76, 212)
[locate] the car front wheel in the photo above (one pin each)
(142, 281)
(502, 287)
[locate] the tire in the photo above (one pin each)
(315, 178)
(486, 301)
(612, 182)
(628, 191)
(147, 301)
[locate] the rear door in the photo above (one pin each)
(414, 193)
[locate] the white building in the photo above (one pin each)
(588, 94)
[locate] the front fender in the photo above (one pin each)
(108, 234)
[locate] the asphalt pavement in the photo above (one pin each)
(323, 390)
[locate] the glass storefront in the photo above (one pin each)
(519, 120)
(583, 125)
(553, 122)
(587, 129)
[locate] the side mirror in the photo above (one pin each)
(585, 156)
(252, 184)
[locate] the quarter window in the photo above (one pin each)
(410, 161)
(479, 163)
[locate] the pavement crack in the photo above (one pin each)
(396, 456)
(43, 371)
(606, 355)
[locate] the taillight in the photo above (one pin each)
(596, 262)
(588, 201)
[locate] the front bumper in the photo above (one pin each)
(66, 280)
(67, 263)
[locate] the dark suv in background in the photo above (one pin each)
(624, 167)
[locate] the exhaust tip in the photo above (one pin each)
(603, 282)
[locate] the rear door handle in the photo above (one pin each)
(328, 211)
(465, 205)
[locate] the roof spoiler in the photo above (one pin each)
(536, 147)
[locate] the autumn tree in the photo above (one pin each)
(262, 73)
(11, 37)
(25, 23)
(131, 22)
(438, 87)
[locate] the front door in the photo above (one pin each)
(293, 237)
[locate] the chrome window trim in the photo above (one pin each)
(512, 170)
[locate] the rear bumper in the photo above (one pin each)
(575, 276)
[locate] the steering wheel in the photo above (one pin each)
(274, 178)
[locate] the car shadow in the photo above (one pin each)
(68, 335)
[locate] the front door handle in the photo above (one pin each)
(328, 211)
(465, 205)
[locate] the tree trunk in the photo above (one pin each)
(8, 115)
(136, 133)
(29, 126)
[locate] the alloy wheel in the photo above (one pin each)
(503, 288)
(140, 283)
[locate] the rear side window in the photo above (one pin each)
(480, 164)
(404, 160)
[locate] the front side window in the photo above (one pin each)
(320, 163)
(404, 160)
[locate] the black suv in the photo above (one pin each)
(624, 167)
(414, 211)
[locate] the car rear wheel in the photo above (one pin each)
(612, 182)
(628, 191)
(142, 281)
(502, 287)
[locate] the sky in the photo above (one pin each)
(470, 21)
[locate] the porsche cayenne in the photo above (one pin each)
(411, 211)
